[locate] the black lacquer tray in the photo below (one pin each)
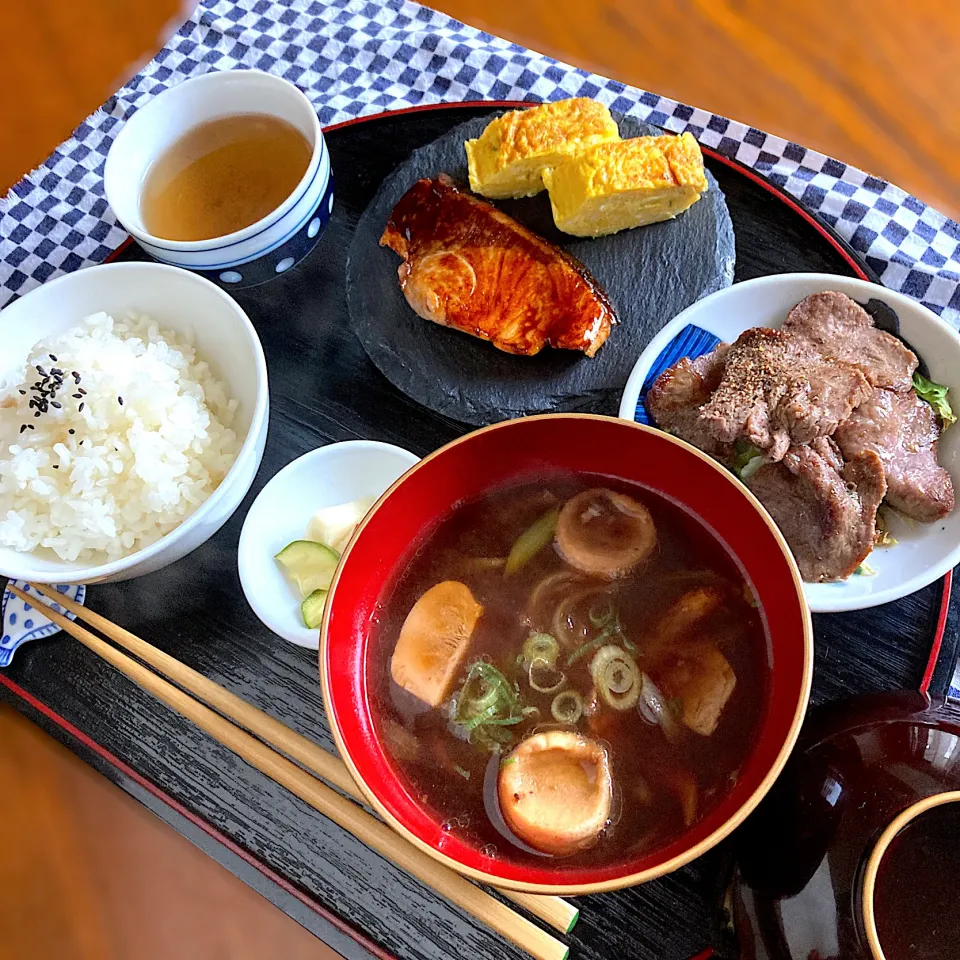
(323, 388)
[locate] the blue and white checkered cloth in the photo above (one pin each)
(356, 57)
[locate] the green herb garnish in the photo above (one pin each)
(463, 773)
(936, 395)
(747, 459)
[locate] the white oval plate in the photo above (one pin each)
(923, 552)
(330, 475)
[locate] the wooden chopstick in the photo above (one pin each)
(365, 827)
(554, 911)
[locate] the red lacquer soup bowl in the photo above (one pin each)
(526, 449)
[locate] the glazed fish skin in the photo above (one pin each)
(469, 266)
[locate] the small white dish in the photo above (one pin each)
(224, 337)
(264, 249)
(923, 552)
(330, 475)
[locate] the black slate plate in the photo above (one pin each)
(650, 275)
(324, 388)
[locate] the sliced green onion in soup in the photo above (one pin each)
(616, 676)
(567, 707)
(602, 614)
(531, 541)
(545, 677)
(541, 646)
(486, 703)
(610, 630)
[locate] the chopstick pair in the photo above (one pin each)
(270, 757)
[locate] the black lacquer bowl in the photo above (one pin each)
(808, 859)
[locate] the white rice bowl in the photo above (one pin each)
(152, 441)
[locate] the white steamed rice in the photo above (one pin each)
(131, 471)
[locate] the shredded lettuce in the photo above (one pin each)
(884, 537)
(748, 459)
(936, 395)
(864, 570)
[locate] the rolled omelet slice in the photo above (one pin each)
(616, 186)
(508, 158)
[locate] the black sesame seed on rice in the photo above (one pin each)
(55, 405)
(71, 431)
(78, 396)
(52, 357)
(79, 409)
(120, 401)
(23, 427)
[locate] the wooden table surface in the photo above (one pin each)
(871, 82)
(89, 874)
(864, 81)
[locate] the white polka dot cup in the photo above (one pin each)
(255, 254)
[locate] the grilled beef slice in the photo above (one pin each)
(827, 517)
(778, 390)
(840, 328)
(676, 396)
(904, 432)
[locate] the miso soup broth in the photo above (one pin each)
(572, 667)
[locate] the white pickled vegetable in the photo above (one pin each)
(334, 526)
